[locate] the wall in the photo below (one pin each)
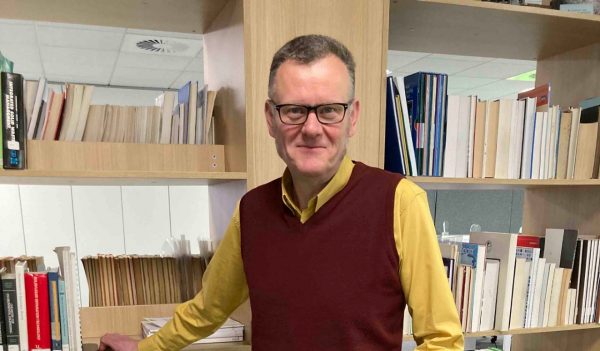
(99, 219)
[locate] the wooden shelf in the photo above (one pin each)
(487, 29)
(440, 183)
(49, 177)
(60, 162)
(187, 16)
(526, 331)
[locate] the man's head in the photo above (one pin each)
(311, 71)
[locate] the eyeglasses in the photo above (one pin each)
(297, 114)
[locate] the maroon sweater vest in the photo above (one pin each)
(331, 283)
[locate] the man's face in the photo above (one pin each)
(312, 149)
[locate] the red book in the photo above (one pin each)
(38, 310)
(528, 241)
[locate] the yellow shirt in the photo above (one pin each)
(435, 320)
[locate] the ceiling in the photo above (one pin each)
(108, 56)
(100, 55)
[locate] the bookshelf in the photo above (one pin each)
(567, 49)
(239, 43)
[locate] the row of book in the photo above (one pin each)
(40, 308)
(143, 280)
(33, 111)
(230, 331)
(429, 133)
(503, 281)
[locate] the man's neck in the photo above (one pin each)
(305, 188)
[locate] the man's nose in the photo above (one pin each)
(312, 124)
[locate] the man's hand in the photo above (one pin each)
(117, 342)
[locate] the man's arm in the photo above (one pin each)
(224, 288)
(435, 320)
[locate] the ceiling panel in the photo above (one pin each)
(397, 59)
(496, 69)
(140, 77)
(79, 62)
(439, 65)
(127, 59)
(77, 37)
(17, 32)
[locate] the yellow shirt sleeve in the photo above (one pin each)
(224, 288)
(436, 325)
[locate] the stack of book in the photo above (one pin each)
(231, 331)
(40, 308)
(32, 111)
(142, 280)
(504, 281)
(527, 138)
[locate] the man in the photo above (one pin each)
(330, 253)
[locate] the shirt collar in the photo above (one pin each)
(335, 185)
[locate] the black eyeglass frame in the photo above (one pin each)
(311, 108)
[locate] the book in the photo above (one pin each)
(13, 121)
(490, 142)
(473, 255)
(64, 324)
(38, 313)
(479, 139)
(54, 309)
(20, 269)
(528, 138)
(541, 94)
(559, 246)
(563, 144)
(490, 291)
(36, 112)
(586, 154)
(9, 303)
(500, 246)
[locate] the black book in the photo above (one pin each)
(13, 121)
(9, 302)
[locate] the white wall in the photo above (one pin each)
(34, 219)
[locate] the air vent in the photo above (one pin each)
(162, 46)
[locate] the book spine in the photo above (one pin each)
(64, 325)
(9, 302)
(20, 269)
(55, 335)
(13, 121)
(2, 322)
(38, 316)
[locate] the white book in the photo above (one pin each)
(166, 101)
(576, 111)
(537, 294)
(490, 291)
(594, 281)
(535, 256)
(528, 133)
(68, 268)
(519, 298)
(472, 113)
(451, 136)
(555, 297)
(590, 282)
(548, 297)
(503, 142)
(20, 269)
(543, 146)
(462, 144)
(537, 145)
(551, 144)
(35, 113)
(516, 139)
(88, 90)
(501, 246)
(409, 140)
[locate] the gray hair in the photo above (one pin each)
(306, 49)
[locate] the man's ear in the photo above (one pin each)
(354, 111)
(269, 117)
